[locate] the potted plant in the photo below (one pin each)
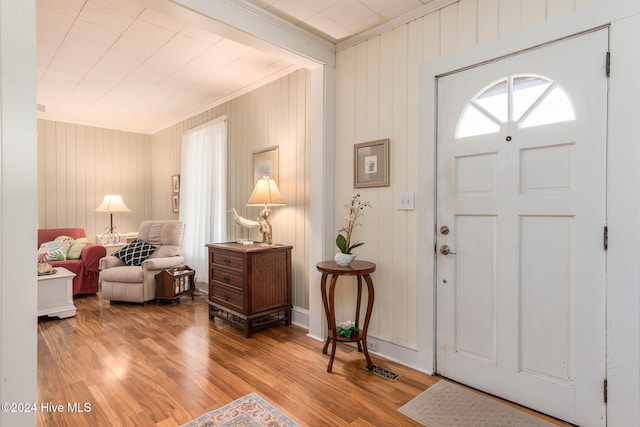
(346, 328)
(355, 209)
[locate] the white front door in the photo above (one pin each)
(521, 187)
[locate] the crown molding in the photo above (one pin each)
(428, 8)
(252, 22)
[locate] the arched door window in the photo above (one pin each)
(525, 100)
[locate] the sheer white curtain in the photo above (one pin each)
(203, 198)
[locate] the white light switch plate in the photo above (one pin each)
(406, 201)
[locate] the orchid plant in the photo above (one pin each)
(346, 328)
(355, 209)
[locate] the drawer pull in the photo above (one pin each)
(226, 279)
(227, 297)
(226, 261)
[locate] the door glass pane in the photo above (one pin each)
(526, 90)
(535, 101)
(475, 122)
(495, 100)
(556, 107)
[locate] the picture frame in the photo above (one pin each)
(371, 164)
(265, 163)
(175, 203)
(175, 184)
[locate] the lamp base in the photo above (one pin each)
(110, 236)
(265, 227)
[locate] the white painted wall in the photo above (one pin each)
(18, 299)
(78, 165)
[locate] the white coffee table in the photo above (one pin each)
(55, 294)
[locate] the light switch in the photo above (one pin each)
(406, 201)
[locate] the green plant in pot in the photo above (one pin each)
(355, 209)
(346, 329)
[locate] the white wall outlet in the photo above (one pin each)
(406, 201)
(371, 345)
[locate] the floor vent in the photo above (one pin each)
(382, 372)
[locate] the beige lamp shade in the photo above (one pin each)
(266, 193)
(112, 203)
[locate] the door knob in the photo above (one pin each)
(446, 250)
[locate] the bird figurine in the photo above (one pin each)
(242, 221)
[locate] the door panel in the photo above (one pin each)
(521, 173)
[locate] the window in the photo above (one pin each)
(203, 185)
(526, 100)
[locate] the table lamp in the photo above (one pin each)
(111, 203)
(266, 194)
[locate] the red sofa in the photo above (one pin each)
(86, 268)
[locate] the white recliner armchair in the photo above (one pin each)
(133, 279)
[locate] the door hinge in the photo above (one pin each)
(605, 237)
(608, 66)
(605, 390)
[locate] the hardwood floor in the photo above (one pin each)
(164, 365)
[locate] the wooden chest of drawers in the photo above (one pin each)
(250, 284)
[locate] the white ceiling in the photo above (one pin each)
(121, 64)
(336, 20)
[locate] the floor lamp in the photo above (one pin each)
(111, 203)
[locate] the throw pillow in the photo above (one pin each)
(56, 250)
(135, 252)
(76, 248)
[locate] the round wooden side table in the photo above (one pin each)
(360, 269)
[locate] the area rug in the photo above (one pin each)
(446, 404)
(248, 411)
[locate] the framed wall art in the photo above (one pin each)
(265, 163)
(371, 164)
(175, 203)
(175, 184)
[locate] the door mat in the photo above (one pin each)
(446, 404)
(250, 410)
(382, 372)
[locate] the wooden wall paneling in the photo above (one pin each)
(467, 23)
(488, 19)
(449, 29)
(415, 55)
(81, 181)
(71, 171)
(431, 25)
(383, 278)
(92, 201)
(399, 177)
(345, 109)
(510, 16)
(559, 7)
(533, 12)
(100, 172)
(59, 176)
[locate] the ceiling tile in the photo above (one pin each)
(67, 7)
(162, 20)
(349, 13)
(105, 17)
(327, 26)
(293, 9)
(127, 7)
